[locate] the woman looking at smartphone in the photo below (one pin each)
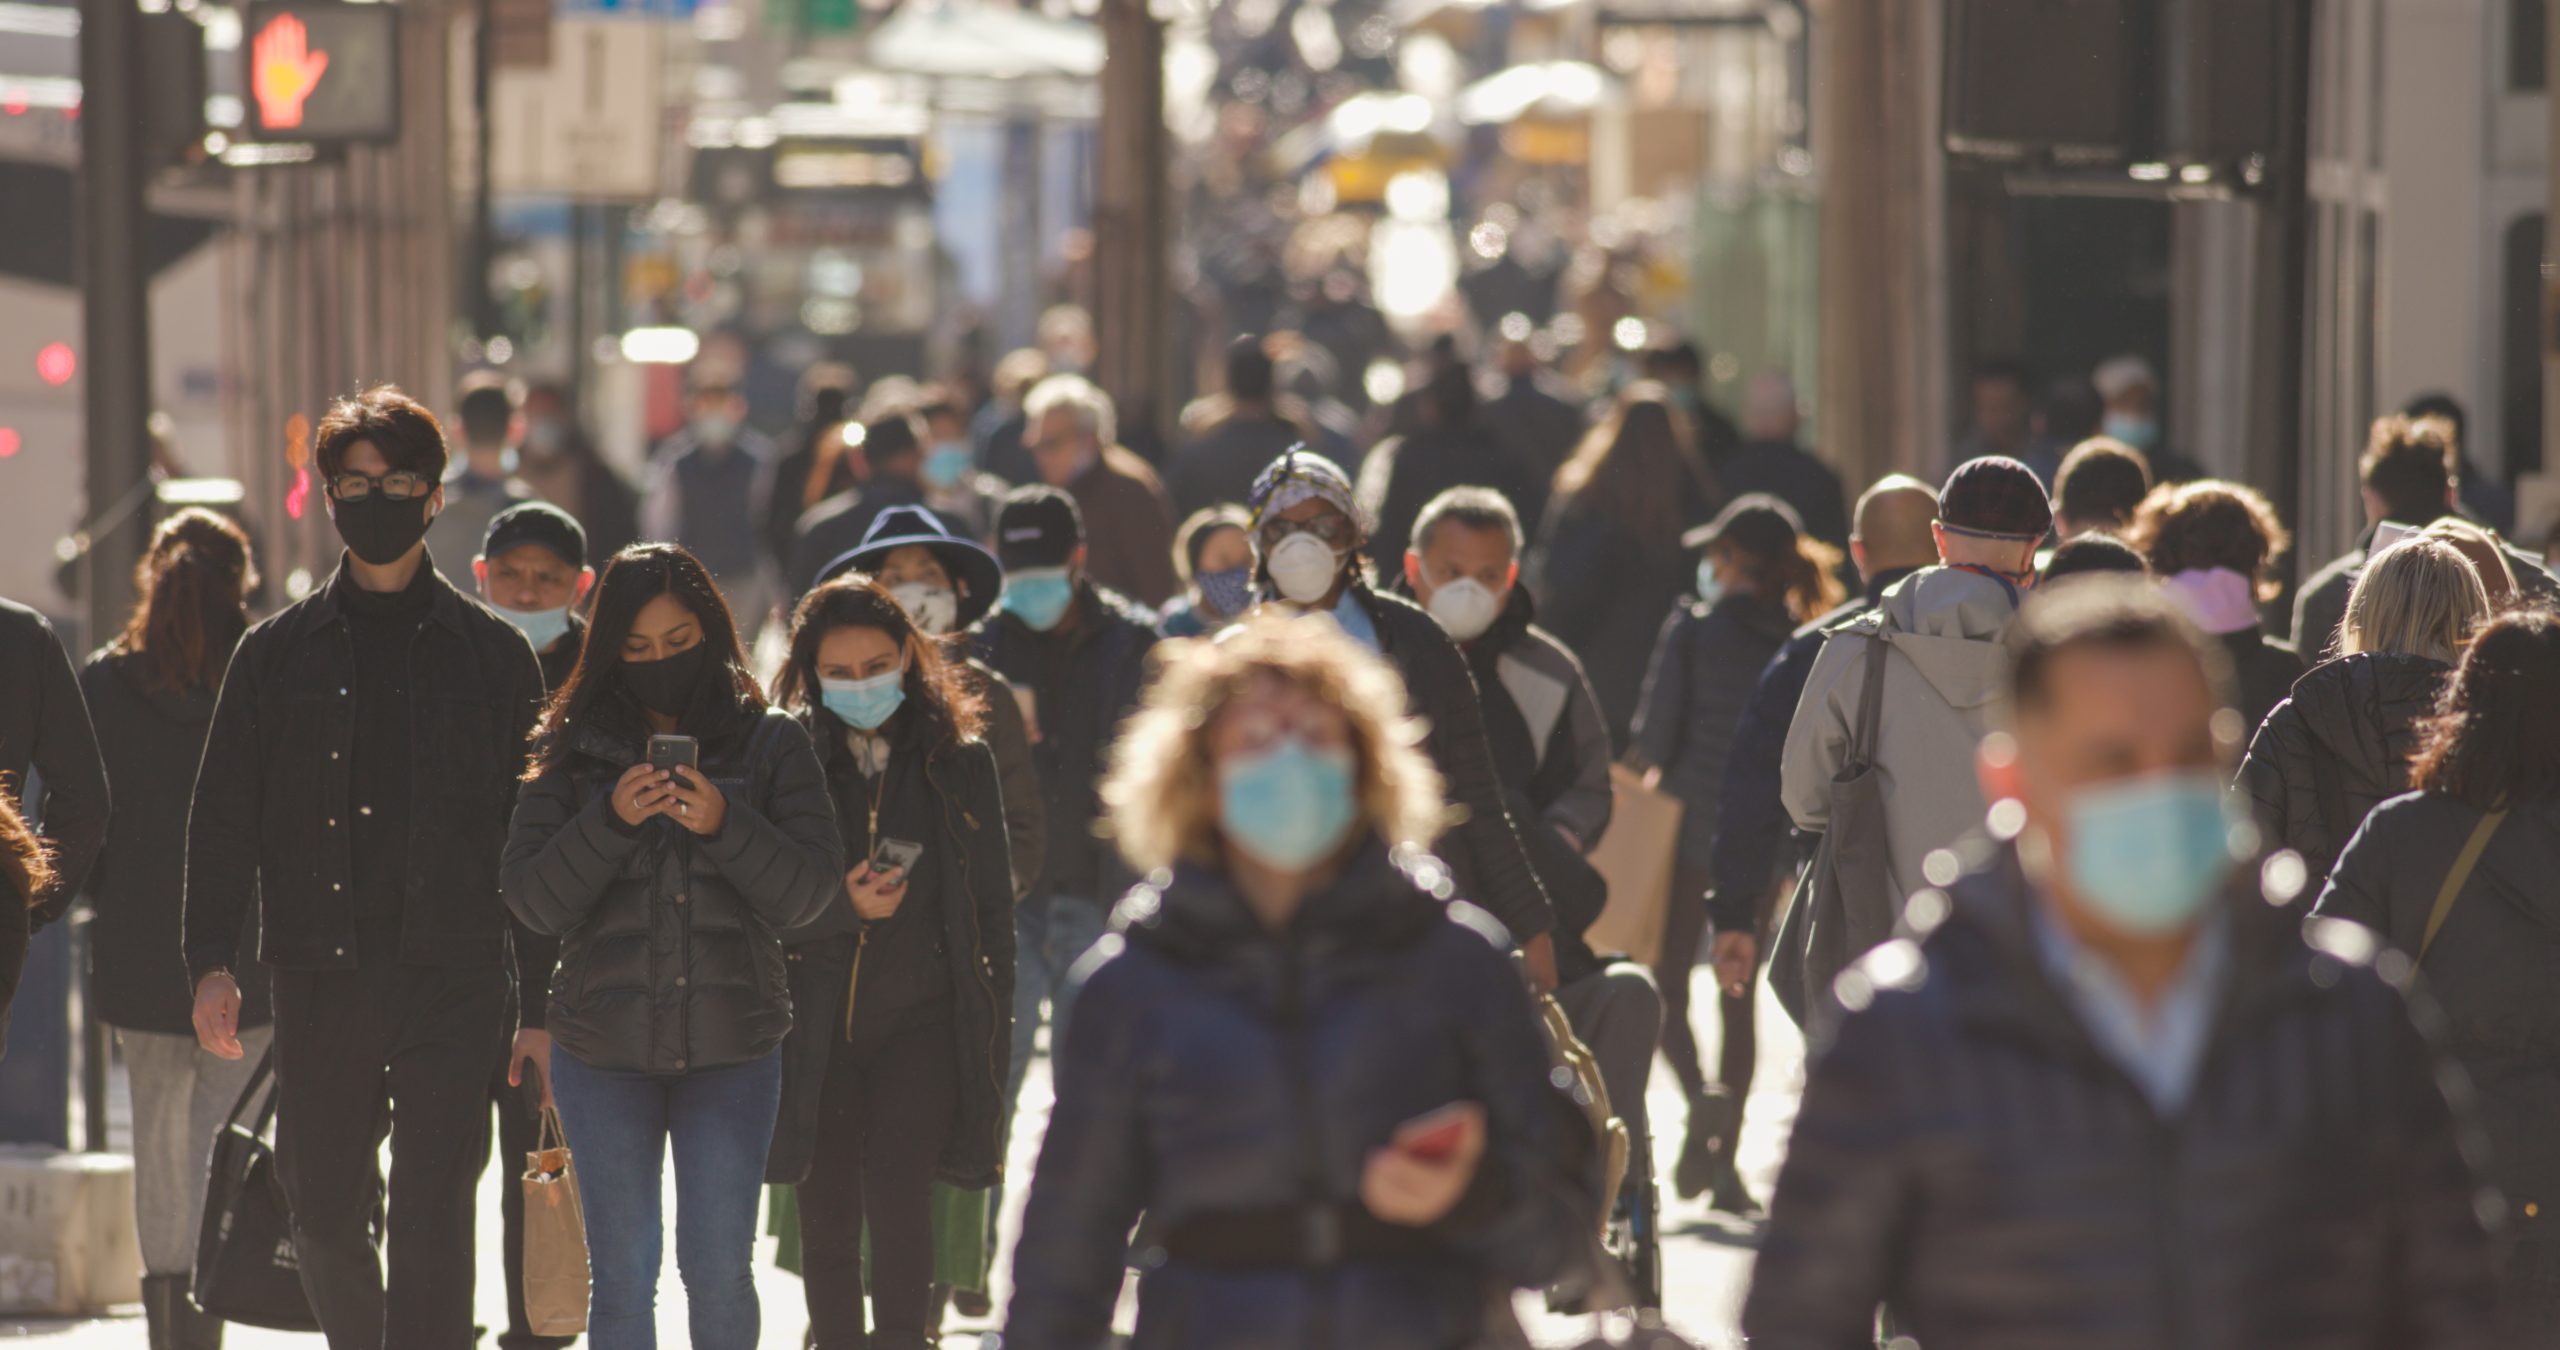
(903, 988)
(1321, 1082)
(670, 826)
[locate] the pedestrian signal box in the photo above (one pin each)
(322, 71)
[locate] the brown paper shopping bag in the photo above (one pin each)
(1636, 856)
(555, 1236)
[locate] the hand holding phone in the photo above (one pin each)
(1426, 1167)
(879, 886)
(667, 751)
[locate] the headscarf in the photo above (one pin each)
(1298, 475)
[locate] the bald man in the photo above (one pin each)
(1890, 539)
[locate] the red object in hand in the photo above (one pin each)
(1437, 1144)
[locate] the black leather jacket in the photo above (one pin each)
(1967, 1154)
(669, 959)
(1214, 1068)
(271, 818)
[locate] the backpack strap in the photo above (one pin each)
(1870, 728)
(2463, 866)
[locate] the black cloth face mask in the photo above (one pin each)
(665, 686)
(378, 530)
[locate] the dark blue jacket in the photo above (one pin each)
(1217, 1069)
(1752, 826)
(1705, 667)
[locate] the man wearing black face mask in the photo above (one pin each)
(357, 782)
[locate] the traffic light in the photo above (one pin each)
(322, 71)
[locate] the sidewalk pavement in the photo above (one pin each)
(1706, 1256)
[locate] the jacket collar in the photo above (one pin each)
(1383, 898)
(2012, 992)
(326, 606)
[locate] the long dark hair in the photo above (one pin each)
(1804, 579)
(942, 707)
(595, 690)
(190, 605)
(1627, 467)
(2495, 738)
(22, 856)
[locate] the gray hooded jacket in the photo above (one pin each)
(1946, 685)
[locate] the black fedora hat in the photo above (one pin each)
(899, 527)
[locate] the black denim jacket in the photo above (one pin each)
(271, 800)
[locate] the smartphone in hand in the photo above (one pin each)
(669, 752)
(1436, 1135)
(895, 855)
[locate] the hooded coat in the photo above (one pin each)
(2335, 749)
(2490, 970)
(1946, 686)
(1217, 1071)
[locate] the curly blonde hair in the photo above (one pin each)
(1162, 791)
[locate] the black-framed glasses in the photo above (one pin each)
(399, 485)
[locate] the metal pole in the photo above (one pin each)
(2291, 208)
(115, 288)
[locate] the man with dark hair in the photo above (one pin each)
(826, 401)
(955, 488)
(709, 486)
(2484, 497)
(1449, 448)
(1232, 434)
(2408, 471)
(2003, 416)
(894, 450)
(1534, 423)
(479, 484)
(2093, 554)
(2070, 1105)
(356, 786)
(1079, 649)
(561, 466)
(2098, 488)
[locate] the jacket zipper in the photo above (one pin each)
(862, 926)
(1318, 1227)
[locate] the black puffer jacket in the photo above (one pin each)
(668, 954)
(2336, 748)
(1485, 849)
(1086, 683)
(2491, 969)
(1967, 1153)
(1215, 1070)
(2265, 668)
(1705, 667)
(151, 740)
(958, 914)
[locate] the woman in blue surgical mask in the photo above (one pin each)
(1213, 551)
(902, 989)
(1317, 1076)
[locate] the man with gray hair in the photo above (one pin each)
(1073, 434)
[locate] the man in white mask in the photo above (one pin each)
(1551, 749)
(1307, 539)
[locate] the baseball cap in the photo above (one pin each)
(536, 523)
(1995, 497)
(1038, 526)
(1755, 522)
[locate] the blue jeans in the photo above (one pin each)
(1048, 939)
(619, 1124)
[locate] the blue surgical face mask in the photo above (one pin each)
(2140, 432)
(1288, 806)
(541, 627)
(1039, 596)
(2148, 853)
(1710, 586)
(865, 703)
(947, 465)
(1226, 594)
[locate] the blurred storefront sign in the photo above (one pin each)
(588, 125)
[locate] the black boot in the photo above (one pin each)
(191, 1327)
(1715, 1116)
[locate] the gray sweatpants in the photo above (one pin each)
(181, 1094)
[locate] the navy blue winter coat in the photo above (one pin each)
(1214, 1068)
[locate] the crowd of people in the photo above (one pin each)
(1271, 784)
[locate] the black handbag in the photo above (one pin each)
(245, 1266)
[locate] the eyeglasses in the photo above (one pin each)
(1331, 527)
(398, 486)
